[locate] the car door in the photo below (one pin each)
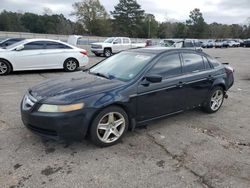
(30, 57)
(198, 78)
(117, 45)
(166, 97)
(126, 43)
(55, 54)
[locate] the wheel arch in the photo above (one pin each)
(71, 58)
(109, 48)
(116, 104)
(3, 59)
(220, 83)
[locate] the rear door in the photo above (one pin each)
(117, 45)
(198, 78)
(126, 43)
(158, 99)
(55, 54)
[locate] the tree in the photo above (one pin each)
(149, 27)
(196, 24)
(93, 16)
(128, 18)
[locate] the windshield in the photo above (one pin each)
(123, 66)
(109, 40)
(14, 45)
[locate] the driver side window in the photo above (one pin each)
(167, 66)
(39, 45)
(118, 41)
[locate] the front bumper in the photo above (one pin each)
(71, 125)
(97, 50)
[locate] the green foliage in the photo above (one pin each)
(196, 24)
(128, 18)
(93, 16)
(30, 22)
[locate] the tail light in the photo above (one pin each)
(84, 52)
(229, 69)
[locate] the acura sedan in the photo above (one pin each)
(39, 54)
(124, 91)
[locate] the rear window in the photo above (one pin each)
(192, 62)
(214, 62)
(56, 45)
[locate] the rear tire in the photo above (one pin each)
(5, 67)
(71, 65)
(214, 100)
(109, 126)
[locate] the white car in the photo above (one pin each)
(232, 43)
(39, 54)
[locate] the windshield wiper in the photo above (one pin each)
(100, 74)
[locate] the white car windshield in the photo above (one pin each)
(123, 66)
(109, 40)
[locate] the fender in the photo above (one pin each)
(219, 82)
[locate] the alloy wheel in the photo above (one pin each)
(111, 127)
(3, 68)
(216, 100)
(71, 65)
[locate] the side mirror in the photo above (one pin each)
(19, 48)
(115, 42)
(153, 78)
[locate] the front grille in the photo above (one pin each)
(96, 46)
(28, 102)
(42, 131)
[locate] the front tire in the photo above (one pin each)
(5, 67)
(70, 65)
(215, 100)
(107, 52)
(109, 126)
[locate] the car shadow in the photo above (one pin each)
(42, 71)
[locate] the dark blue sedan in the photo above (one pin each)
(124, 91)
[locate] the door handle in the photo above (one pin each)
(210, 77)
(180, 84)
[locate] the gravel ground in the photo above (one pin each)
(192, 149)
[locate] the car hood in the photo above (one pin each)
(73, 88)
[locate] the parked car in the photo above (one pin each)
(240, 41)
(38, 54)
(124, 91)
(9, 41)
(168, 42)
(208, 44)
(189, 43)
(221, 43)
(114, 45)
(149, 42)
(247, 43)
(232, 43)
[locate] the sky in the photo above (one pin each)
(221, 11)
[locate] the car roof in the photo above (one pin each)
(41, 39)
(159, 50)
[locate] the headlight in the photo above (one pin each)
(60, 108)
